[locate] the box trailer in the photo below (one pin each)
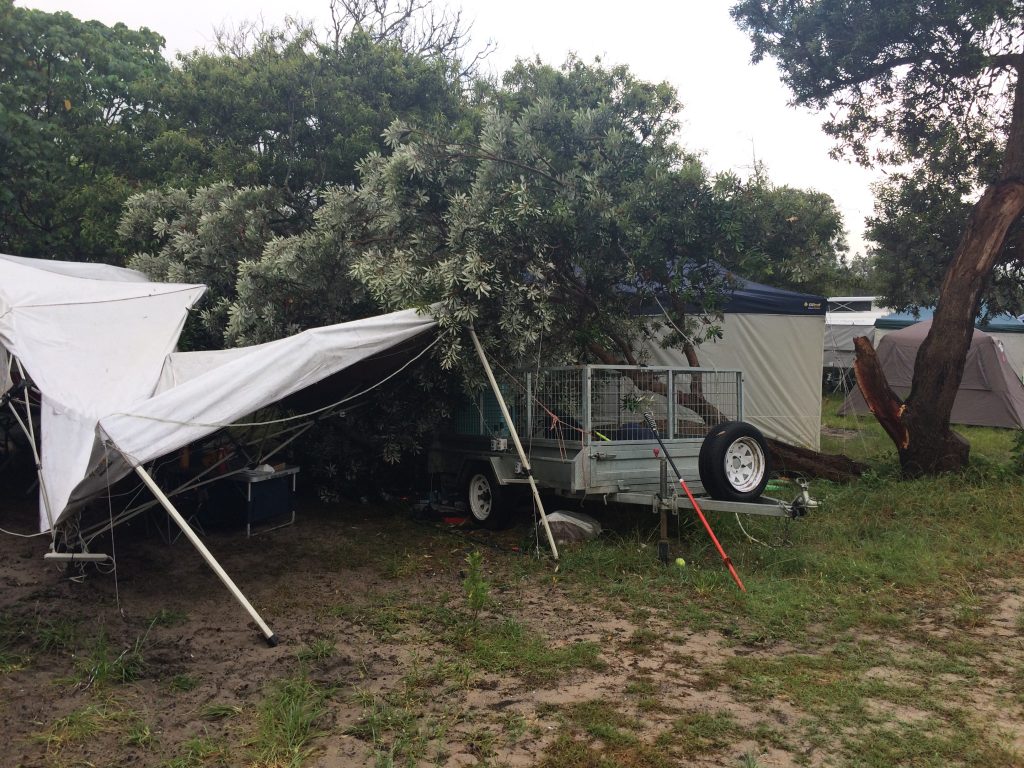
(589, 431)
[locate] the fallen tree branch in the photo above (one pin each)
(837, 468)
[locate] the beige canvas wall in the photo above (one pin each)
(781, 360)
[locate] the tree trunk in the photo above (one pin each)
(885, 404)
(929, 446)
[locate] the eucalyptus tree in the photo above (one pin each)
(909, 82)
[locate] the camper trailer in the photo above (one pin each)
(847, 317)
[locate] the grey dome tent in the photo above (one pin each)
(990, 393)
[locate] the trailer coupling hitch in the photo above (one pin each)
(803, 503)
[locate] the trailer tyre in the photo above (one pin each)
(733, 462)
(485, 498)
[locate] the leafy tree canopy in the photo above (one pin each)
(282, 109)
(927, 87)
(937, 87)
(77, 107)
(568, 205)
(785, 237)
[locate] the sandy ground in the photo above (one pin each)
(327, 577)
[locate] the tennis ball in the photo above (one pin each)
(680, 562)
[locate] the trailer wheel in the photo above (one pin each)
(733, 462)
(485, 498)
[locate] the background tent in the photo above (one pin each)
(990, 394)
(775, 338)
(1006, 329)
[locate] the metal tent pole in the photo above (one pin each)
(268, 634)
(515, 439)
(28, 428)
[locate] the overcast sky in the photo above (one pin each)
(733, 111)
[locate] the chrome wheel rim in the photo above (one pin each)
(744, 464)
(480, 498)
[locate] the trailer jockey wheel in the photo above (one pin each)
(485, 497)
(733, 462)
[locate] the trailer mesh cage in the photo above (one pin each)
(607, 403)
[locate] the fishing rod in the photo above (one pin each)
(649, 419)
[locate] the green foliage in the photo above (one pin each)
(570, 203)
(1017, 451)
(926, 87)
(285, 109)
(201, 237)
(788, 238)
(287, 721)
(478, 591)
(78, 103)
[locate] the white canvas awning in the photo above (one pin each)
(92, 338)
(207, 390)
(97, 341)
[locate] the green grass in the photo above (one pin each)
(168, 618)
(140, 734)
(394, 726)
(219, 711)
(318, 649)
(932, 744)
(56, 635)
(203, 752)
(700, 733)
(104, 665)
(385, 614)
(80, 726)
(509, 647)
(287, 720)
(862, 628)
(183, 683)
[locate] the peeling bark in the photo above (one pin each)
(885, 404)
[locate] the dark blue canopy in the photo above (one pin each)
(746, 296)
(754, 298)
(998, 324)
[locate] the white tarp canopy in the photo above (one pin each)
(93, 340)
(97, 341)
